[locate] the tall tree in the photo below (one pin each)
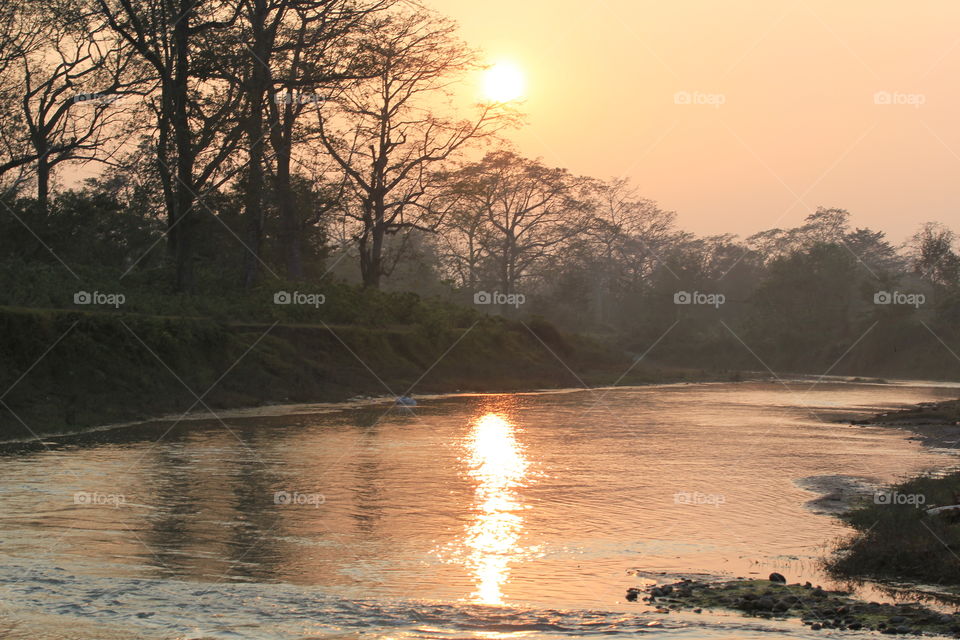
(292, 52)
(195, 111)
(933, 255)
(528, 211)
(386, 137)
(71, 76)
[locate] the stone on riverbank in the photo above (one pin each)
(815, 606)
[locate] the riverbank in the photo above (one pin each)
(895, 538)
(937, 424)
(65, 371)
(814, 606)
(895, 542)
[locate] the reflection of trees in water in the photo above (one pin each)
(368, 491)
(199, 495)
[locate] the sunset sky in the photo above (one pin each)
(782, 114)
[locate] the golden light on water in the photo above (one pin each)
(499, 467)
(503, 82)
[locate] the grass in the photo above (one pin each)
(67, 370)
(899, 541)
(819, 608)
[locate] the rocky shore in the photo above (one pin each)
(814, 606)
(937, 424)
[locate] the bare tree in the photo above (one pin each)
(527, 210)
(70, 76)
(292, 51)
(196, 111)
(384, 134)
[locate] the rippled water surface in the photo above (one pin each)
(489, 516)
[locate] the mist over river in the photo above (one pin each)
(493, 516)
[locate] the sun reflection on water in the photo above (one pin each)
(498, 465)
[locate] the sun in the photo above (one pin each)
(503, 82)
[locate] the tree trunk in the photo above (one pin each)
(290, 218)
(43, 181)
(371, 252)
(371, 264)
(256, 91)
(166, 179)
(184, 146)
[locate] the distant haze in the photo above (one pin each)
(778, 108)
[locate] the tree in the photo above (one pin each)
(71, 74)
(196, 109)
(291, 50)
(933, 256)
(526, 211)
(316, 54)
(385, 136)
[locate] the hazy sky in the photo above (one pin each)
(783, 113)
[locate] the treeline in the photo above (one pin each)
(267, 118)
(247, 147)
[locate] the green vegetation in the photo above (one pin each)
(201, 220)
(108, 367)
(816, 607)
(895, 538)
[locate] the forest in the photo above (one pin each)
(324, 161)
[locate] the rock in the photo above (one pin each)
(777, 577)
(632, 594)
(855, 626)
(896, 619)
(816, 626)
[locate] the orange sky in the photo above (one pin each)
(798, 126)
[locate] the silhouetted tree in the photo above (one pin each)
(384, 134)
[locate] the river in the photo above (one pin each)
(469, 516)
